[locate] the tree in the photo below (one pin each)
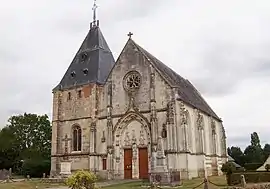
(26, 138)
(266, 151)
(8, 148)
(254, 153)
(237, 154)
(33, 134)
(255, 140)
(229, 151)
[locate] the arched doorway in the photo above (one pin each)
(132, 144)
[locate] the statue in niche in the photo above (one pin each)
(127, 139)
(134, 140)
(164, 131)
(142, 139)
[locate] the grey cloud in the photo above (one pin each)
(219, 50)
(225, 66)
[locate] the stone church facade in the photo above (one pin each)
(129, 118)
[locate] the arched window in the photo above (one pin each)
(77, 138)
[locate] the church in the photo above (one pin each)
(131, 118)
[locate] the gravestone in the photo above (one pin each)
(4, 174)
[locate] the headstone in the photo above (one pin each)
(10, 172)
(28, 177)
(65, 168)
(44, 175)
(4, 174)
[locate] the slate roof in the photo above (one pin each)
(186, 91)
(92, 63)
(230, 159)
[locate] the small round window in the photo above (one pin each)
(132, 81)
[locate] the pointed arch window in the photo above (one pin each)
(77, 138)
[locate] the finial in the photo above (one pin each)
(130, 34)
(94, 12)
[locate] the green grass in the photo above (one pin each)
(27, 185)
(188, 184)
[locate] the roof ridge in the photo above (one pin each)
(188, 93)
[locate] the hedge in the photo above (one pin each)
(250, 177)
(252, 166)
(36, 167)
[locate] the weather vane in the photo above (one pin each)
(94, 12)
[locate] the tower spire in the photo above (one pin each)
(94, 12)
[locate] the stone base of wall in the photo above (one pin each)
(215, 171)
(54, 180)
(201, 173)
(166, 178)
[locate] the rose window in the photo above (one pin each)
(132, 81)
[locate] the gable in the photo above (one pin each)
(186, 91)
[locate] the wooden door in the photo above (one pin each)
(128, 163)
(143, 163)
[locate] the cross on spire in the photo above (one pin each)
(130, 34)
(94, 12)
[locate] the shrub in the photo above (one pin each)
(252, 166)
(36, 167)
(251, 177)
(228, 168)
(267, 167)
(82, 180)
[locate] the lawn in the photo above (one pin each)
(189, 184)
(27, 185)
(133, 185)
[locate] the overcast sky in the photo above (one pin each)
(221, 46)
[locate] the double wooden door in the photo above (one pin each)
(143, 163)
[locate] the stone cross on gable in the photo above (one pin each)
(130, 34)
(66, 139)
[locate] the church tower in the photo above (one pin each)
(76, 102)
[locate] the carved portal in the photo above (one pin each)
(131, 132)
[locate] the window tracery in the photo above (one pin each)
(132, 81)
(77, 138)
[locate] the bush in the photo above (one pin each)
(82, 180)
(36, 167)
(252, 166)
(228, 168)
(250, 177)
